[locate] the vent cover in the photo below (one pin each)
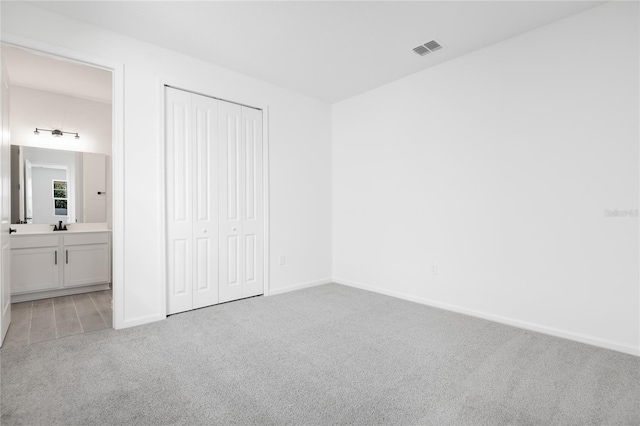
(427, 48)
(421, 50)
(433, 45)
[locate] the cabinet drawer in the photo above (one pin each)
(34, 241)
(82, 239)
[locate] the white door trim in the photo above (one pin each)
(166, 82)
(117, 153)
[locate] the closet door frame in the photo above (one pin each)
(164, 83)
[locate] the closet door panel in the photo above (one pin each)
(179, 201)
(205, 212)
(252, 220)
(231, 201)
(205, 279)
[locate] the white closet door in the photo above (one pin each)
(192, 200)
(240, 174)
(205, 213)
(215, 230)
(179, 201)
(229, 173)
(253, 242)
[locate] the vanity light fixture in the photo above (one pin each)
(56, 133)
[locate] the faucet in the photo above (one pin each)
(59, 227)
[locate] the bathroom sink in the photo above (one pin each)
(22, 229)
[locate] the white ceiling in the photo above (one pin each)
(328, 50)
(36, 71)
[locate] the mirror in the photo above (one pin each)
(48, 186)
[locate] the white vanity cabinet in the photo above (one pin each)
(58, 264)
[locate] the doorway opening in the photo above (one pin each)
(58, 262)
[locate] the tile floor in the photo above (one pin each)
(49, 319)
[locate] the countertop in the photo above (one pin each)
(46, 229)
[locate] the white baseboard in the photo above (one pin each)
(26, 297)
(589, 340)
(134, 322)
(158, 317)
(274, 291)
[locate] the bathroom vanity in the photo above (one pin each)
(47, 263)
(68, 188)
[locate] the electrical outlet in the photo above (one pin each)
(282, 260)
(434, 269)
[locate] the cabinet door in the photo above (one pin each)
(86, 264)
(34, 269)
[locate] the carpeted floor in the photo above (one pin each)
(324, 355)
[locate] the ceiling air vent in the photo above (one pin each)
(421, 50)
(433, 45)
(427, 48)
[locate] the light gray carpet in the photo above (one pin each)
(325, 355)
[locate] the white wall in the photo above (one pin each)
(32, 108)
(300, 154)
(498, 167)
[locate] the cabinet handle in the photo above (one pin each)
(67, 256)
(56, 257)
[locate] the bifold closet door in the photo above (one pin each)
(192, 200)
(241, 199)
